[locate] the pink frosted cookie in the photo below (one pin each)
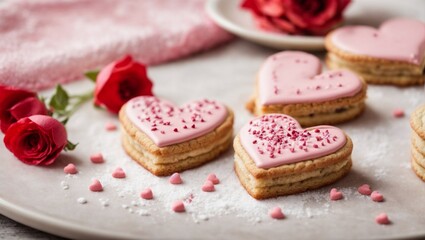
(292, 83)
(165, 138)
(274, 156)
(392, 54)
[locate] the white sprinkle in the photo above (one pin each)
(143, 212)
(134, 203)
(82, 200)
(125, 206)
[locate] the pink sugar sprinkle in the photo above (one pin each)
(110, 126)
(175, 179)
(96, 186)
(97, 158)
(147, 194)
(382, 219)
(364, 189)
(208, 186)
(376, 196)
(118, 173)
(398, 113)
(276, 213)
(335, 194)
(213, 178)
(70, 169)
(178, 206)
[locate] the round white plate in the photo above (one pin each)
(228, 15)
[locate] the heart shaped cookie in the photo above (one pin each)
(292, 83)
(165, 138)
(394, 53)
(275, 156)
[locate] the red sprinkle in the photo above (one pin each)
(398, 113)
(175, 130)
(382, 219)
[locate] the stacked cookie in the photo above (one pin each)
(417, 122)
(165, 139)
(393, 54)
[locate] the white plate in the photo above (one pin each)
(229, 15)
(34, 196)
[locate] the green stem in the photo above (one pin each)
(81, 99)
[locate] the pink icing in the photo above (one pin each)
(335, 195)
(175, 179)
(396, 39)
(167, 124)
(277, 139)
(294, 77)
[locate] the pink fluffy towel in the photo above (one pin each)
(49, 41)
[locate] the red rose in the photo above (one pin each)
(309, 17)
(16, 104)
(36, 140)
(119, 82)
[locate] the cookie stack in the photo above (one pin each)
(417, 122)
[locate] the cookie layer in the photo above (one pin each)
(291, 83)
(162, 161)
(392, 54)
(417, 123)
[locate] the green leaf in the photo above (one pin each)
(92, 75)
(64, 121)
(60, 99)
(70, 146)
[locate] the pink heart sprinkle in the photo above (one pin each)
(213, 178)
(175, 179)
(70, 169)
(147, 194)
(118, 173)
(96, 186)
(97, 158)
(208, 186)
(110, 126)
(382, 219)
(364, 189)
(178, 206)
(276, 213)
(377, 196)
(398, 113)
(335, 195)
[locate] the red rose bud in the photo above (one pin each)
(310, 17)
(36, 140)
(16, 104)
(119, 82)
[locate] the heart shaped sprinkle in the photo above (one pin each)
(293, 77)
(398, 113)
(335, 195)
(208, 186)
(96, 158)
(276, 139)
(70, 169)
(382, 219)
(147, 194)
(96, 186)
(110, 126)
(178, 206)
(364, 189)
(118, 173)
(166, 124)
(213, 178)
(175, 179)
(276, 213)
(377, 196)
(396, 39)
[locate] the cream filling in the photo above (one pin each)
(289, 179)
(177, 157)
